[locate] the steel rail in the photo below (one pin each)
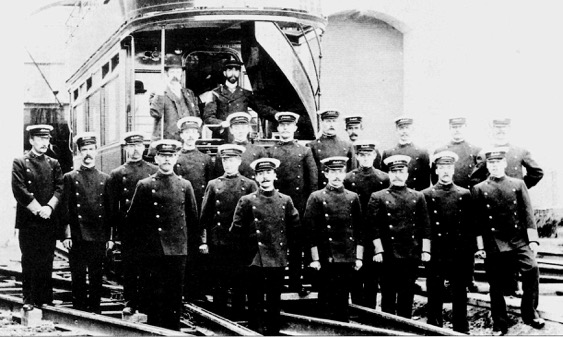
(216, 323)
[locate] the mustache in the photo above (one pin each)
(88, 157)
(353, 135)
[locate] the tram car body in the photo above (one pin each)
(119, 42)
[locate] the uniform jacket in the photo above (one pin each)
(197, 168)
(333, 220)
(366, 181)
(162, 208)
(451, 221)
(297, 173)
(324, 147)
(86, 205)
(503, 213)
(464, 166)
(121, 187)
(399, 217)
(172, 108)
(40, 179)
(252, 153)
(266, 222)
(224, 102)
(219, 203)
(516, 159)
(419, 166)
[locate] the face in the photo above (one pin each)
(166, 161)
(500, 134)
(404, 131)
(232, 74)
(457, 131)
(134, 152)
(88, 154)
(287, 130)
(336, 177)
(445, 173)
(174, 76)
(399, 176)
(266, 179)
(40, 143)
(189, 136)
(353, 131)
(231, 164)
(496, 167)
(240, 131)
(365, 158)
(328, 126)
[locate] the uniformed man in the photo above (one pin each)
(240, 128)
(519, 161)
(333, 219)
(229, 98)
(174, 103)
(419, 165)
(162, 209)
(197, 168)
(330, 145)
(121, 186)
(355, 129)
(507, 235)
(85, 209)
(267, 222)
(366, 180)
(400, 228)
(453, 238)
(297, 177)
(219, 202)
(37, 184)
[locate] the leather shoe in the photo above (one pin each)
(499, 332)
(537, 323)
(27, 307)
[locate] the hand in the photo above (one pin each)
(378, 258)
(225, 124)
(315, 265)
(425, 257)
(45, 212)
(204, 249)
(358, 265)
(67, 243)
(534, 247)
(109, 245)
(481, 254)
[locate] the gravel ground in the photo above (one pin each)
(8, 327)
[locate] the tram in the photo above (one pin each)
(116, 60)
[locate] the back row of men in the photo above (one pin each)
(246, 231)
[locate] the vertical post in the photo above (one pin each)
(130, 127)
(162, 64)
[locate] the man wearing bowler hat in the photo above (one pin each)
(330, 145)
(507, 235)
(162, 208)
(230, 97)
(225, 252)
(399, 227)
(121, 186)
(174, 103)
(37, 184)
(355, 130)
(297, 177)
(86, 216)
(419, 164)
(267, 222)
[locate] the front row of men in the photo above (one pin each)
(357, 222)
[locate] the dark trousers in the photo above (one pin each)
(193, 285)
(265, 282)
(522, 257)
(86, 258)
(397, 285)
(334, 289)
(456, 271)
(135, 279)
(166, 280)
(37, 246)
(227, 273)
(364, 286)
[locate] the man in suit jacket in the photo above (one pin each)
(174, 103)
(37, 184)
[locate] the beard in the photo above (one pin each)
(232, 79)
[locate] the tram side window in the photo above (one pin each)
(93, 121)
(111, 116)
(146, 86)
